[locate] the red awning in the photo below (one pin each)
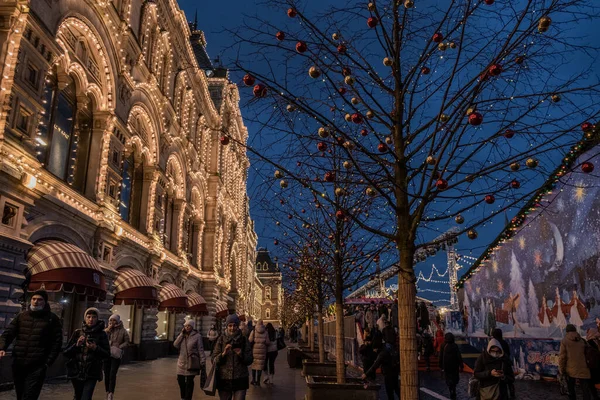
(62, 267)
(172, 299)
(197, 304)
(222, 311)
(133, 287)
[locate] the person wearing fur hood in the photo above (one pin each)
(191, 359)
(494, 371)
(118, 339)
(85, 351)
(260, 338)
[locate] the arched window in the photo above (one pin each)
(268, 313)
(268, 292)
(65, 132)
(126, 187)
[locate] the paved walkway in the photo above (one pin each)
(153, 380)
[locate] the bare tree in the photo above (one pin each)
(444, 111)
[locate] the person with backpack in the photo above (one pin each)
(573, 363)
(451, 363)
(389, 368)
(494, 371)
(191, 359)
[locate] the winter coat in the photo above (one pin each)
(37, 336)
(272, 346)
(260, 340)
(85, 363)
(571, 358)
(213, 334)
(439, 340)
(486, 363)
(189, 344)
(232, 374)
(427, 345)
(367, 356)
(389, 335)
(371, 318)
(385, 361)
(394, 315)
(383, 310)
(451, 360)
(595, 372)
(381, 323)
(118, 336)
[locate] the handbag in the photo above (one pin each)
(210, 386)
(473, 388)
(490, 392)
(281, 344)
(116, 352)
(194, 362)
(203, 377)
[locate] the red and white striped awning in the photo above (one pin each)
(134, 287)
(172, 298)
(57, 266)
(197, 304)
(222, 310)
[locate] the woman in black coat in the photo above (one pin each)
(86, 350)
(367, 356)
(451, 363)
(494, 372)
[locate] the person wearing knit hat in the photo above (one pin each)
(118, 340)
(572, 364)
(233, 354)
(86, 351)
(37, 334)
(191, 361)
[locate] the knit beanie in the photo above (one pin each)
(191, 323)
(92, 310)
(232, 319)
(116, 317)
(42, 293)
(571, 328)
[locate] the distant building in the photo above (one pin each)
(270, 277)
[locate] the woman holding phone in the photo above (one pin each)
(494, 372)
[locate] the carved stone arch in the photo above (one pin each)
(180, 92)
(139, 123)
(175, 171)
(129, 261)
(197, 200)
(166, 277)
(48, 230)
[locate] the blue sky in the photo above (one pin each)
(214, 18)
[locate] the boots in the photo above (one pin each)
(267, 376)
(109, 396)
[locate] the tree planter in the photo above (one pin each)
(326, 388)
(315, 368)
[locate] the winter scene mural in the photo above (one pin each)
(545, 277)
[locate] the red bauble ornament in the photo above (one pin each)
(339, 214)
(515, 184)
(490, 199)
(475, 119)
(587, 167)
(282, 202)
(382, 147)
(441, 184)
(301, 47)
(438, 37)
(509, 133)
(489, 2)
(248, 80)
(495, 69)
(224, 140)
(587, 126)
(275, 242)
(329, 176)
(291, 12)
(372, 22)
(346, 71)
(425, 70)
(357, 118)
(322, 146)
(280, 36)
(341, 49)
(342, 91)
(290, 216)
(259, 90)
(364, 132)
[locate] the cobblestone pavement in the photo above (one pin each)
(154, 380)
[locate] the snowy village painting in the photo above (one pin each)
(546, 276)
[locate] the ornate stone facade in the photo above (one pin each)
(110, 129)
(270, 287)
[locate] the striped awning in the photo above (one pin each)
(57, 266)
(197, 304)
(172, 298)
(222, 310)
(134, 287)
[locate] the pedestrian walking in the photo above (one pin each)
(260, 342)
(191, 359)
(272, 353)
(381, 322)
(451, 363)
(389, 336)
(389, 369)
(494, 371)
(497, 334)
(212, 337)
(37, 334)
(233, 355)
(371, 317)
(428, 349)
(394, 314)
(86, 351)
(118, 339)
(367, 356)
(383, 310)
(593, 339)
(572, 364)
(439, 340)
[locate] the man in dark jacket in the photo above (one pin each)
(367, 356)
(497, 334)
(37, 333)
(389, 369)
(451, 363)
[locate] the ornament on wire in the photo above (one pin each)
(437, 37)
(224, 140)
(532, 163)
(475, 119)
(587, 167)
(314, 72)
(301, 47)
(259, 90)
(372, 22)
(291, 12)
(280, 36)
(248, 80)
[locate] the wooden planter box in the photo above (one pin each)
(315, 368)
(326, 388)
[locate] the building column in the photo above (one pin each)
(98, 155)
(148, 181)
(176, 219)
(197, 229)
(210, 292)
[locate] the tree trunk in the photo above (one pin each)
(339, 343)
(409, 377)
(311, 332)
(321, 336)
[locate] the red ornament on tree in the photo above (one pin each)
(495, 69)
(364, 132)
(322, 146)
(475, 119)
(489, 2)
(275, 242)
(441, 184)
(515, 184)
(329, 176)
(520, 60)
(509, 133)
(301, 47)
(372, 22)
(425, 70)
(438, 37)
(382, 147)
(259, 90)
(280, 36)
(357, 118)
(346, 71)
(341, 49)
(224, 140)
(587, 126)
(290, 216)
(342, 91)
(291, 12)
(248, 80)
(587, 167)
(490, 199)
(339, 214)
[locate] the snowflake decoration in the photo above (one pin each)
(573, 240)
(537, 258)
(495, 266)
(579, 192)
(522, 242)
(560, 205)
(500, 286)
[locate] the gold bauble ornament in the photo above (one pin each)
(387, 62)
(335, 36)
(555, 98)
(355, 101)
(430, 160)
(370, 114)
(515, 166)
(339, 192)
(349, 145)
(444, 118)
(371, 192)
(347, 164)
(349, 80)
(348, 117)
(314, 72)
(470, 110)
(471, 178)
(323, 132)
(278, 174)
(290, 108)
(409, 4)
(388, 140)
(459, 219)
(452, 45)
(532, 162)
(472, 234)
(371, 6)
(442, 46)
(545, 22)
(283, 183)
